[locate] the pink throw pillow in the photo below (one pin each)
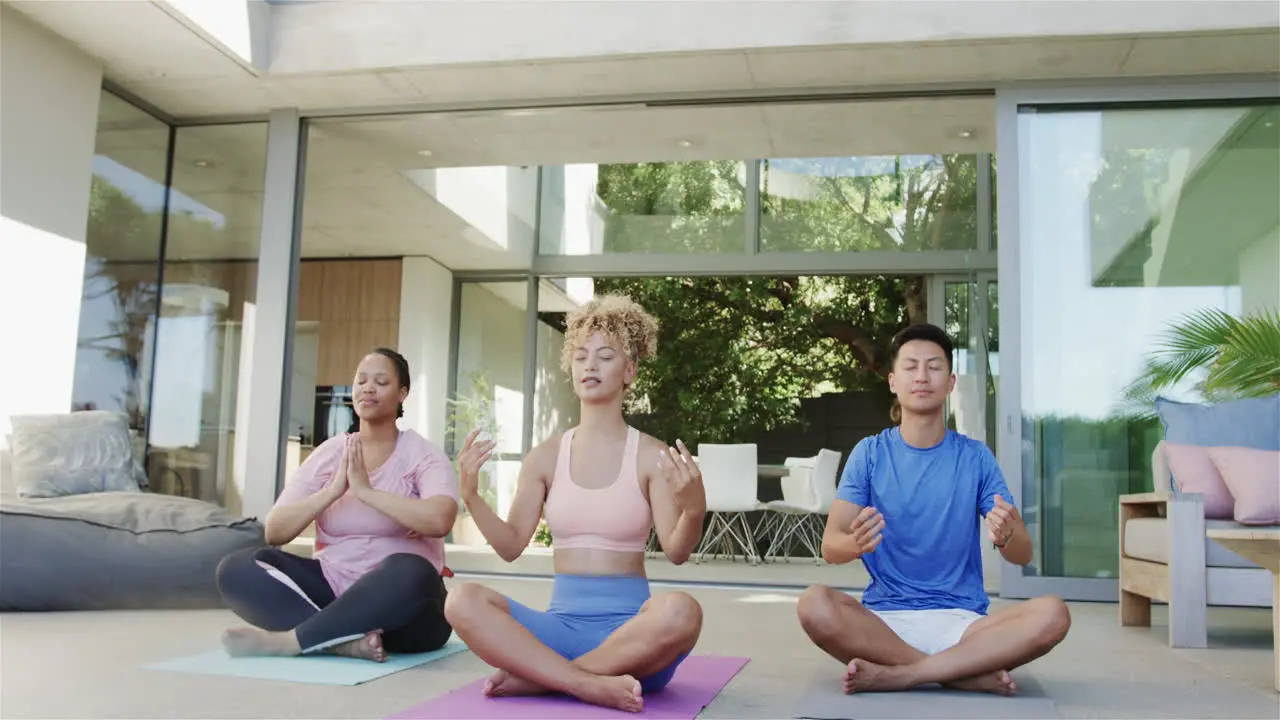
(1253, 477)
(1194, 472)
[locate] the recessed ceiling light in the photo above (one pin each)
(684, 143)
(201, 163)
(965, 134)
(424, 153)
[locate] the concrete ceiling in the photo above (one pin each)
(150, 53)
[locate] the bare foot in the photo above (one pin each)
(249, 641)
(864, 676)
(621, 692)
(504, 684)
(368, 647)
(997, 682)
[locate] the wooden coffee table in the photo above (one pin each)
(1262, 546)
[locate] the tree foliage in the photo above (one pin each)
(736, 354)
(117, 221)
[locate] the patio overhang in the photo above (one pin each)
(194, 59)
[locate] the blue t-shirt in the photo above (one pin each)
(932, 500)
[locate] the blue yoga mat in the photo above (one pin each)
(315, 669)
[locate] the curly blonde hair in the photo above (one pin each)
(616, 316)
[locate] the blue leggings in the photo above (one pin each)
(586, 609)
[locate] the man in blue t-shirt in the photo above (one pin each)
(909, 505)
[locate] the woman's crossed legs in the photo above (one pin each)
(595, 657)
(290, 608)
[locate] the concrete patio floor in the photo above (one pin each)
(89, 665)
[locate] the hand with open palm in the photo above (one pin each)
(475, 453)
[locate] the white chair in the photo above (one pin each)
(796, 491)
(808, 490)
(730, 477)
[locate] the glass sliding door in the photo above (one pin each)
(490, 384)
(123, 247)
(203, 327)
(965, 307)
(1128, 219)
(968, 313)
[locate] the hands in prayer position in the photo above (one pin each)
(357, 475)
(338, 487)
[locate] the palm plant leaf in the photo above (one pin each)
(1188, 344)
(1241, 357)
(1248, 363)
(1207, 327)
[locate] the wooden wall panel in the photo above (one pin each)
(310, 282)
(358, 309)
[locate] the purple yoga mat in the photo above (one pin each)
(696, 683)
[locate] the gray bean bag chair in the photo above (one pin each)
(115, 550)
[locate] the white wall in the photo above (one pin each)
(49, 93)
(342, 36)
(302, 399)
(498, 203)
(555, 406)
(573, 215)
(491, 342)
(426, 306)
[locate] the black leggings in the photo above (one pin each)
(403, 597)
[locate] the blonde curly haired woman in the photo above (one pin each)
(603, 485)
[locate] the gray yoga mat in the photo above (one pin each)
(825, 700)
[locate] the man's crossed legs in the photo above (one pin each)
(879, 660)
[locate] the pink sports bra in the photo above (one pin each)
(615, 517)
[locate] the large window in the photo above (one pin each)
(907, 174)
(1130, 218)
(490, 379)
(659, 207)
(835, 204)
(849, 204)
(204, 329)
(167, 311)
(392, 206)
(122, 264)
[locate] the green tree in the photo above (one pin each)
(737, 353)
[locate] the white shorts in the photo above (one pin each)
(929, 631)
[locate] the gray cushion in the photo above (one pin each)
(116, 550)
(1148, 539)
(72, 453)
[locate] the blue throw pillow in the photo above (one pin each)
(1250, 422)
